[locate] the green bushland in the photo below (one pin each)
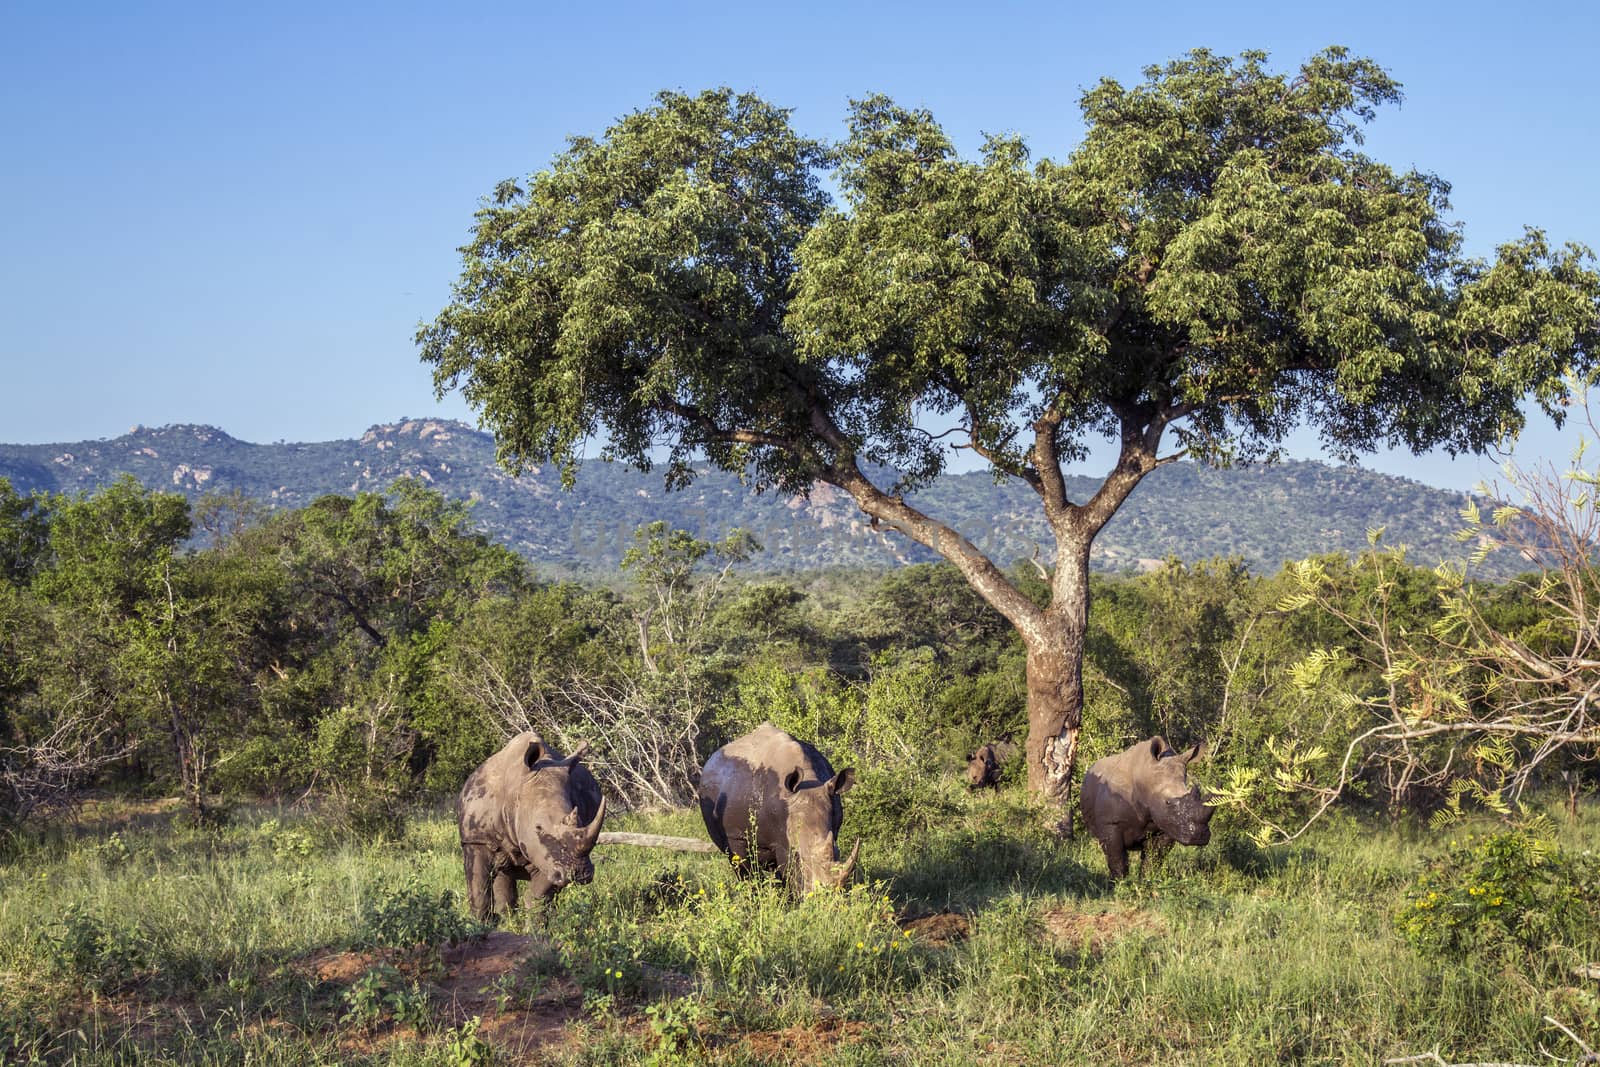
(365, 653)
(374, 649)
(1310, 952)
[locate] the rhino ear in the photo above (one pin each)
(1197, 752)
(1158, 745)
(842, 781)
(534, 754)
(791, 784)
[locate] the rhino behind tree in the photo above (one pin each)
(527, 814)
(771, 803)
(1141, 798)
(983, 766)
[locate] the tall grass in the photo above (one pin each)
(159, 943)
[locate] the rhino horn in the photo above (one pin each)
(591, 833)
(850, 864)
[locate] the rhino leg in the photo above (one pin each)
(739, 855)
(479, 869)
(1117, 858)
(505, 892)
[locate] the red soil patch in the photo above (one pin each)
(800, 1044)
(939, 929)
(1096, 929)
(483, 974)
(520, 1013)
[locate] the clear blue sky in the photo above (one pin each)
(238, 216)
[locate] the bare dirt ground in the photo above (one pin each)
(1094, 930)
(485, 978)
(939, 929)
(801, 1044)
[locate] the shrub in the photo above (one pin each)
(464, 1048)
(891, 804)
(379, 814)
(678, 1025)
(409, 917)
(1512, 889)
(83, 948)
(383, 991)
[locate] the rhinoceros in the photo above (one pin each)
(983, 766)
(1141, 798)
(527, 814)
(772, 803)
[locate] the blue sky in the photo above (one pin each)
(239, 217)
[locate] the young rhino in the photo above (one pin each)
(527, 814)
(983, 766)
(772, 803)
(1141, 798)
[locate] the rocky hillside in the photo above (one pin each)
(1266, 515)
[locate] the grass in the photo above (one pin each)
(975, 940)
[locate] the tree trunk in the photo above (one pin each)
(1055, 680)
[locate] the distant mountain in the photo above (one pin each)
(1266, 515)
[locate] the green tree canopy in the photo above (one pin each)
(1218, 257)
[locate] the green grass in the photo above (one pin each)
(1227, 956)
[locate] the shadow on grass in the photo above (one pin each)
(966, 869)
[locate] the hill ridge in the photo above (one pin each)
(1266, 514)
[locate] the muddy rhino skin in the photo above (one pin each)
(527, 814)
(1140, 798)
(785, 791)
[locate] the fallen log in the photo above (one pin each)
(678, 844)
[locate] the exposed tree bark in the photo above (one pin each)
(1055, 677)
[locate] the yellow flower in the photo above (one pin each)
(860, 945)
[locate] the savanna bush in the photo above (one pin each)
(891, 803)
(410, 916)
(384, 992)
(1512, 890)
(83, 948)
(814, 704)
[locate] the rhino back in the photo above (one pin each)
(1111, 802)
(741, 785)
(496, 788)
(480, 808)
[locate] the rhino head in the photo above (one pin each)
(983, 768)
(1176, 807)
(809, 820)
(547, 825)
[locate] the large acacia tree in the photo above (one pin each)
(1215, 264)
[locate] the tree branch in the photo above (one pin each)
(976, 567)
